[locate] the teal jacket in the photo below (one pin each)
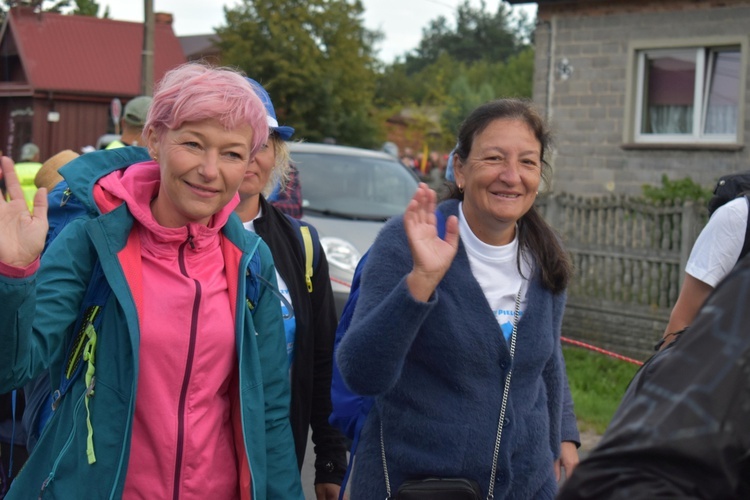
(36, 325)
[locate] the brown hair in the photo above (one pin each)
(534, 234)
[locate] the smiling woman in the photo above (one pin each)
(439, 321)
(189, 392)
(202, 165)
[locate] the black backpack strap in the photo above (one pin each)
(746, 246)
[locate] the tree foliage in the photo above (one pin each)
(316, 60)
(477, 35)
(73, 7)
(678, 189)
(483, 56)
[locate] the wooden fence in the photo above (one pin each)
(629, 257)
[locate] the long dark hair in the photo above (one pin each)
(534, 235)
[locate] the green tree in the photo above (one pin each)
(74, 7)
(316, 60)
(478, 35)
(484, 56)
(89, 8)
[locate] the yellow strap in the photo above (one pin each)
(307, 239)
(88, 355)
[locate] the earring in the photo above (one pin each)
(156, 158)
(460, 189)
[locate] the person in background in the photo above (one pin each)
(681, 430)
(185, 391)
(391, 148)
(132, 122)
(441, 322)
(407, 158)
(26, 170)
(48, 175)
(713, 256)
(287, 195)
(311, 330)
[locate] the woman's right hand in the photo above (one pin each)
(23, 234)
(432, 255)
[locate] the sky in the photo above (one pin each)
(400, 20)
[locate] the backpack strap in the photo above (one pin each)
(82, 348)
(253, 281)
(746, 246)
(307, 236)
(440, 216)
(89, 320)
(308, 250)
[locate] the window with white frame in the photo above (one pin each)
(688, 94)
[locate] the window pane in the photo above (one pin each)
(723, 93)
(670, 92)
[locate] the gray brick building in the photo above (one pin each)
(635, 89)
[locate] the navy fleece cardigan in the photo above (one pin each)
(437, 370)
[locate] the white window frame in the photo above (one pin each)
(639, 50)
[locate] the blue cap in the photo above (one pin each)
(283, 131)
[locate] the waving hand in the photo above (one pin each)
(22, 233)
(432, 255)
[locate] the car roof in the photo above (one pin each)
(334, 149)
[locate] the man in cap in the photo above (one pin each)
(26, 169)
(133, 119)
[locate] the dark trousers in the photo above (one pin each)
(19, 458)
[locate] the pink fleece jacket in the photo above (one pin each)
(182, 439)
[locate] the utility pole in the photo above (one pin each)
(147, 56)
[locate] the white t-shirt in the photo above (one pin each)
(496, 270)
(719, 245)
(290, 326)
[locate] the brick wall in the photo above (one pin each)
(587, 110)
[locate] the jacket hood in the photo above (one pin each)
(103, 180)
(83, 172)
(137, 186)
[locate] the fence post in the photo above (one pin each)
(552, 213)
(689, 233)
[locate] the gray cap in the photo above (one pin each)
(29, 151)
(136, 111)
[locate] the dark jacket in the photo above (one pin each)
(316, 320)
(683, 427)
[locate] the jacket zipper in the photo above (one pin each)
(188, 369)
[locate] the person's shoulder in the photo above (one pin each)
(733, 213)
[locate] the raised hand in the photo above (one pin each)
(432, 255)
(22, 233)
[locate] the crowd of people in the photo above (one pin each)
(168, 325)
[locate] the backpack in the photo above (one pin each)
(350, 410)
(727, 189)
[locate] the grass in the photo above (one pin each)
(597, 383)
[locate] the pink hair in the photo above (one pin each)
(194, 92)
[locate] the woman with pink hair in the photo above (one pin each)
(184, 391)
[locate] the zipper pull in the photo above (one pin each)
(44, 485)
(190, 240)
(65, 197)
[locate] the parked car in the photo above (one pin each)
(348, 194)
